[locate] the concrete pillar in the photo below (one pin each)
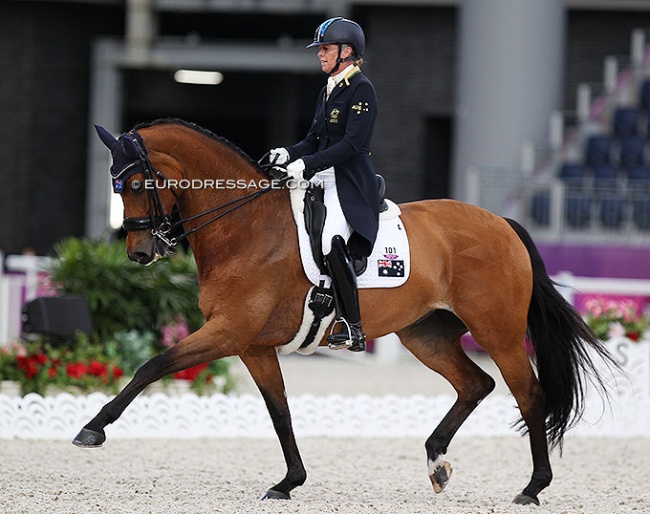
(105, 110)
(140, 31)
(510, 79)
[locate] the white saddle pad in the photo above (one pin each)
(390, 262)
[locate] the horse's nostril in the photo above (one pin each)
(141, 257)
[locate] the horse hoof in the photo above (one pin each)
(440, 476)
(522, 499)
(89, 439)
(275, 495)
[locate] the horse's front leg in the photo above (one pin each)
(200, 347)
(263, 365)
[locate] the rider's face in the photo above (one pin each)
(327, 55)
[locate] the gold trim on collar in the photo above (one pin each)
(351, 73)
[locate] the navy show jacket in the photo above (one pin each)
(340, 136)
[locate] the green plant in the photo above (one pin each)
(132, 349)
(122, 295)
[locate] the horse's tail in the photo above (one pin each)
(564, 345)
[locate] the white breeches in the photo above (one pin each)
(335, 222)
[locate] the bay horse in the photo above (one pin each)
(471, 270)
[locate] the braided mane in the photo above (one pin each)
(205, 132)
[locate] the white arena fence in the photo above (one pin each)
(627, 414)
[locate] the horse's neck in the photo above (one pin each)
(247, 235)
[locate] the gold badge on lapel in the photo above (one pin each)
(334, 116)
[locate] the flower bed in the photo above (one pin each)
(36, 366)
(43, 369)
(610, 318)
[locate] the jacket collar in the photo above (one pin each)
(345, 81)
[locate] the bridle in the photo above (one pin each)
(160, 222)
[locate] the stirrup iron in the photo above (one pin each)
(340, 345)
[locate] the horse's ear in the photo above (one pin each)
(106, 137)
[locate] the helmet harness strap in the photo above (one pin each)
(340, 60)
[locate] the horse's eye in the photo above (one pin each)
(136, 186)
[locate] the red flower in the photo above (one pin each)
(51, 373)
(30, 365)
(98, 369)
(634, 336)
(190, 373)
(76, 370)
(117, 372)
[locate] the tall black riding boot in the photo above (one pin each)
(351, 335)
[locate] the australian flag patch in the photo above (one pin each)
(390, 268)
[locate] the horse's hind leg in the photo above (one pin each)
(518, 374)
(435, 341)
(262, 363)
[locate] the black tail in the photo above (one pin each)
(564, 345)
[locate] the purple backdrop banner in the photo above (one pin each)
(597, 261)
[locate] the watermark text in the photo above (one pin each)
(208, 183)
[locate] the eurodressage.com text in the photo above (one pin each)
(291, 183)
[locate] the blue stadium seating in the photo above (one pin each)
(598, 150)
(540, 208)
(638, 177)
(573, 174)
(578, 209)
(612, 210)
(605, 177)
(626, 122)
(609, 158)
(644, 96)
(632, 150)
(641, 213)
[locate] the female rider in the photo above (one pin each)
(336, 151)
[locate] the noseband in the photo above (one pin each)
(157, 220)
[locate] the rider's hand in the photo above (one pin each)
(279, 156)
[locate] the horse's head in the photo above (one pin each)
(147, 207)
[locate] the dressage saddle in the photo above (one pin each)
(315, 213)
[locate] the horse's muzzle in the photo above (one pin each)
(142, 257)
(145, 250)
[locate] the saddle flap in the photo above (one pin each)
(315, 213)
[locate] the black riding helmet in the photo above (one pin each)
(340, 31)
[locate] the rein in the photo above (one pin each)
(160, 222)
(233, 204)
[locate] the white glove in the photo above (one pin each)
(296, 168)
(279, 156)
